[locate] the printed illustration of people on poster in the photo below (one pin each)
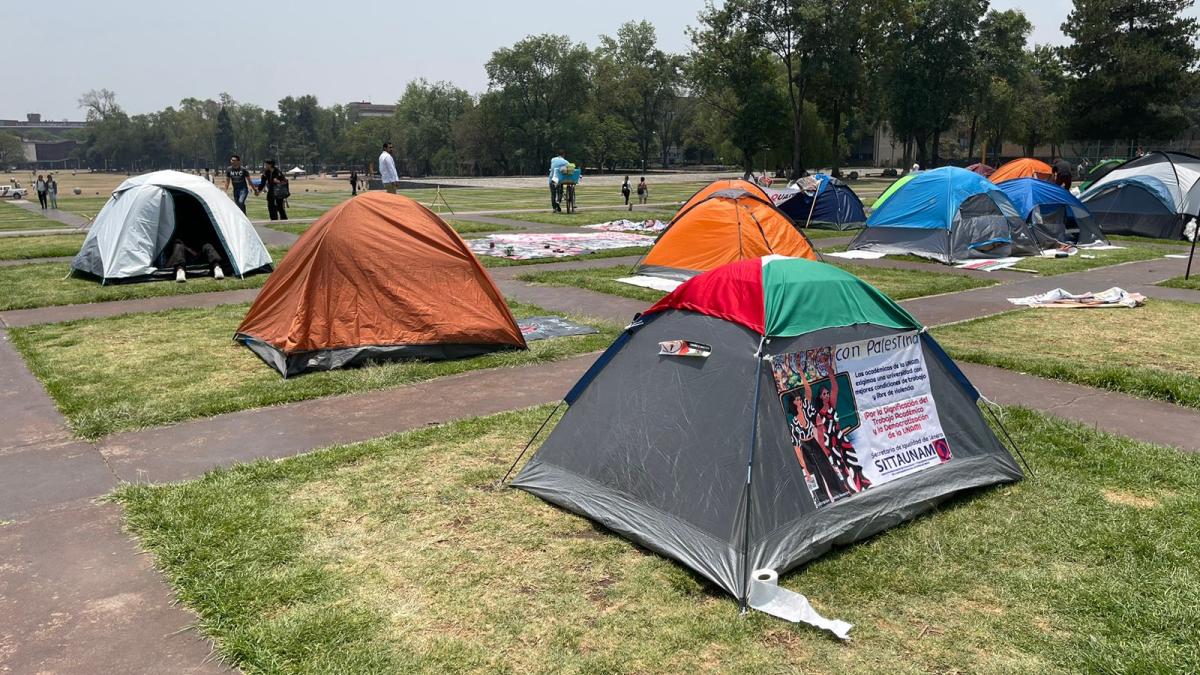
(859, 414)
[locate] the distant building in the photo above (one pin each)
(35, 121)
(49, 154)
(362, 109)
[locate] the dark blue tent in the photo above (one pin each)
(826, 203)
(1054, 213)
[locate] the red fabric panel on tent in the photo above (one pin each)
(732, 292)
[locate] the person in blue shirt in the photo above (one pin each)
(556, 165)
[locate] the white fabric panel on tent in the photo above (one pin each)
(137, 221)
(1179, 173)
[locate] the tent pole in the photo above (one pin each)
(1011, 441)
(758, 355)
(1195, 235)
(812, 208)
(500, 483)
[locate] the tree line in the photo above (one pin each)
(766, 84)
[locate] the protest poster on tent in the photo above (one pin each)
(860, 414)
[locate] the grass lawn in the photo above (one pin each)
(299, 206)
(898, 284)
(1146, 240)
(1149, 351)
(465, 199)
(47, 246)
(13, 217)
(1192, 283)
(140, 370)
(48, 284)
(593, 217)
(396, 555)
(1077, 263)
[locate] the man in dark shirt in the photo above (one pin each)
(1062, 173)
(239, 177)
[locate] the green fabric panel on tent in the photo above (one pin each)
(891, 189)
(802, 296)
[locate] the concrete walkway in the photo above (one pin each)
(79, 597)
(79, 223)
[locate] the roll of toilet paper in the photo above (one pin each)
(767, 596)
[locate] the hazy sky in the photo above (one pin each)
(152, 54)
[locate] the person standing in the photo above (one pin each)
(40, 186)
(237, 176)
(625, 190)
(52, 191)
(387, 168)
(643, 191)
(353, 183)
(1062, 174)
(275, 184)
(557, 162)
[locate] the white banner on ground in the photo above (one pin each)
(665, 285)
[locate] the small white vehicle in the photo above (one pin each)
(10, 192)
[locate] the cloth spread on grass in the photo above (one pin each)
(530, 246)
(629, 226)
(989, 265)
(858, 255)
(656, 283)
(543, 327)
(1113, 297)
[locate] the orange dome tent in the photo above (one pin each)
(1026, 167)
(723, 184)
(379, 277)
(726, 226)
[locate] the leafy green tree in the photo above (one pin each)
(1000, 69)
(426, 115)
(1133, 63)
(224, 135)
(542, 86)
(636, 81)
(12, 150)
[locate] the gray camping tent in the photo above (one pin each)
(681, 438)
(126, 242)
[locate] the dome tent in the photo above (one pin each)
(379, 277)
(1055, 215)
(720, 185)
(1026, 167)
(981, 169)
(1152, 196)
(1100, 170)
(722, 227)
(716, 461)
(127, 240)
(825, 203)
(950, 215)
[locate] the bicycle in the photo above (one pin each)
(568, 198)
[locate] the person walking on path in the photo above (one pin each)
(52, 191)
(41, 187)
(387, 169)
(353, 183)
(237, 176)
(275, 184)
(555, 180)
(625, 190)
(643, 191)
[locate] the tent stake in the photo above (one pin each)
(758, 355)
(500, 483)
(1011, 442)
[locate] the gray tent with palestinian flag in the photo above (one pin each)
(761, 414)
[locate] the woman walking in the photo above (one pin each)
(643, 191)
(625, 189)
(353, 183)
(276, 186)
(41, 188)
(52, 191)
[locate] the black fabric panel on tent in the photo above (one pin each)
(1131, 209)
(354, 357)
(933, 243)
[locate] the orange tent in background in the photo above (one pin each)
(719, 185)
(726, 226)
(1026, 167)
(379, 277)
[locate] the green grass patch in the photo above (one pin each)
(464, 199)
(396, 555)
(13, 217)
(898, 284)
(1154, 241)
(1149, 351)
(140, 370)
(47, 246)
(1192, 283)
(49, 284)
(1078, 263)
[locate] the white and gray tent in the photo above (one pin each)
(128, 239)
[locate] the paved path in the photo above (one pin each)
(77, 595)
(79, 223)
(40, 233)
(34, 261)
